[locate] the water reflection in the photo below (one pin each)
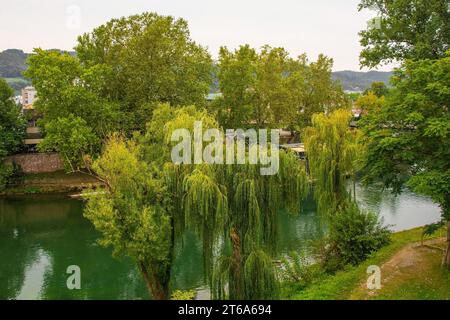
(402, 212)
(41, 231)
(34, 277)
(297, 231)
(41, 236)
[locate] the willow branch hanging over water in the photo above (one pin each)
(233, 208)
(332, 154)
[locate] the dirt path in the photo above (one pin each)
(414, 272)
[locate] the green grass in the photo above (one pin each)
(341, 285)
(432, 285)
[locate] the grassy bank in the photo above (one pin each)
(424, 279)
(55, 182)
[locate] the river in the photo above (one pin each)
(40, 236)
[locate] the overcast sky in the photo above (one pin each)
(312, 26)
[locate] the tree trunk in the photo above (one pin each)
(155, 288)
(447, 253)
(236, 282)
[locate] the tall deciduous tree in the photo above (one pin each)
(149, 59)
(12, 123)
(408, 137)
(12, 129)
(271, 89)
(405, 29)
(121, 70)
(237, 78)
(68, 91)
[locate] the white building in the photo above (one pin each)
(28, 97)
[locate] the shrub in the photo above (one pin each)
(10, 174)
(353, 236)
(297, 267)
(6, 171)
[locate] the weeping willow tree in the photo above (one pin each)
(232, 208)
(251, 229)
(332, 151)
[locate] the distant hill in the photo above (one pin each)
(12, 66)
(360, 81)
(12, 63)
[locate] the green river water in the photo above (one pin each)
(40, 236)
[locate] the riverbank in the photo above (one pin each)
(408, 271)
(58, 182)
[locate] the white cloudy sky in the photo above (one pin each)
(312, 26)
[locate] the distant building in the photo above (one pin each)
(29, 95)
(34, 136)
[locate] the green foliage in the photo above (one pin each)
(6, 172)
(415, 30)
(259, 278)
(353, 96)
(408, 137)
(237, 74)
(231, 207)
(17, 84)
(370, 102)
(12, 131)
(10, 174)
(183, 295)
(430, 229)
(120, 72)
(271, 89)
(133, 214)
(66, 87)
(379, 89)
(147, 59)
(12, 123)
(353, 236)
(332, 150)
(72, 138)
(297, 268)
(340, 286)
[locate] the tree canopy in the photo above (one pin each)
(408, 136)
(271, 89)
(12, 130)
(12, 122)
(147, 59)
(121, 70)
(232, 208)
(405, 29)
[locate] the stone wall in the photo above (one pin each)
(37, 162)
